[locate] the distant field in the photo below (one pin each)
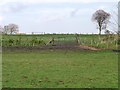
(60, 69)
(107, 42)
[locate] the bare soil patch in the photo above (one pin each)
(38, 48)
(89, 48)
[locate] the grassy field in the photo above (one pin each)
(38, 40)
(60, 69)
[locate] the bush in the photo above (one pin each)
(11, 42)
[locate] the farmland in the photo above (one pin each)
(58, 68)
(106, 41)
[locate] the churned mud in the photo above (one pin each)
(61, 47)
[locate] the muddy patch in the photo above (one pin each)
(39, 48)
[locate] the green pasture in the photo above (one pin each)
(60, 69)
(105, 41)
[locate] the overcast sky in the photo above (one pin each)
(53, 16)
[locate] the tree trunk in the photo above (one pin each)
(10, 31)
(100, 31)
(100, 28)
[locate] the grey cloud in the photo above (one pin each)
(73, 13)
(12, 7)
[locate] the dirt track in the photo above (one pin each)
(89, 48)
(36, 48)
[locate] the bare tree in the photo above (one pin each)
(101, 18)
(1, 29)
(10, 29)
(5, 29)
(13, 28)
(113, 24)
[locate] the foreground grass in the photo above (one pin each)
(60, 69)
